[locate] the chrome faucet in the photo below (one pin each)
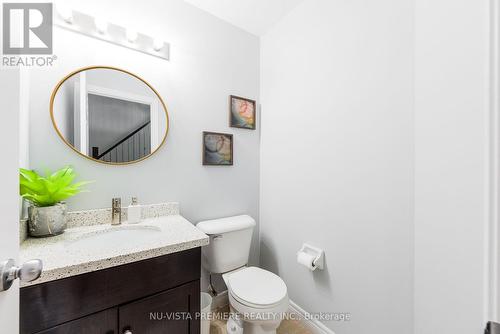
(116, 211)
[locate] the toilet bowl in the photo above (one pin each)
(259, 297)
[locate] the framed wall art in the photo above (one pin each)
(242, 112)
(217, 149)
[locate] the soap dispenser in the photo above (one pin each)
(134, 212)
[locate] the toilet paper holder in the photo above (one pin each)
(319, 255)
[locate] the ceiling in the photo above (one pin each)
(254, 16)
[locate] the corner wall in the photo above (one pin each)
(451, 144)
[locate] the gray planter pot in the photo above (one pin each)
(47, 221)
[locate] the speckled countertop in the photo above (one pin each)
(71, 253)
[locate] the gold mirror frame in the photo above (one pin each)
(63, 80)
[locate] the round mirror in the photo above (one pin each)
(109, 115)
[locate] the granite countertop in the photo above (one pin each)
(66, 255)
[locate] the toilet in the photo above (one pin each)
(257, 297)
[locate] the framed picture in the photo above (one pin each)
(217, 149)
(241, 112)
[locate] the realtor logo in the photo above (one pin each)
(27, 28)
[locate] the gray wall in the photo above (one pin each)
(111, 120)
(454, 170)
(205, 55)
(337, 159)
(64, 105)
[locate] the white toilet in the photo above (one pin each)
(257, 296)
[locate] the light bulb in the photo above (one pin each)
(101, 26)
(131, 35)
(158, 44)
(66, 13)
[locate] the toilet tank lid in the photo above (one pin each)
(224, 225)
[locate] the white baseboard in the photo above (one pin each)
(315, 326)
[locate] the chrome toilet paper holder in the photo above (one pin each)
(319, 255)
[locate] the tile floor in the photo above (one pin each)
(218, 325)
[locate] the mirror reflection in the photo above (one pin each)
(109, 115)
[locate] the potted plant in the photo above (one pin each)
(47, 212)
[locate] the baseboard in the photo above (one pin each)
(315, 326)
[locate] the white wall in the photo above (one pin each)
(11, 106)
(120, 81)
(337, 159)
(210, 60)
(451, 128)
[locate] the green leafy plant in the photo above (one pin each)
(50, 189)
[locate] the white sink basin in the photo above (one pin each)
(120, 236)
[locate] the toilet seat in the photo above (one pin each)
(257, 288)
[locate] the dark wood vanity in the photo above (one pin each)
(160, 295)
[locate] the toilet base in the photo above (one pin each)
(254, 326)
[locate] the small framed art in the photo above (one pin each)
(217, 149)
(241, 112)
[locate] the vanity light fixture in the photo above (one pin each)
(132, 35)
(158, 44)
(101, 29)
(101, 26)
(66, 13)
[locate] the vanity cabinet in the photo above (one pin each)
(102, 322)
(166, 312)
(154, 296)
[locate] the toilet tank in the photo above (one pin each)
(230, 240)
